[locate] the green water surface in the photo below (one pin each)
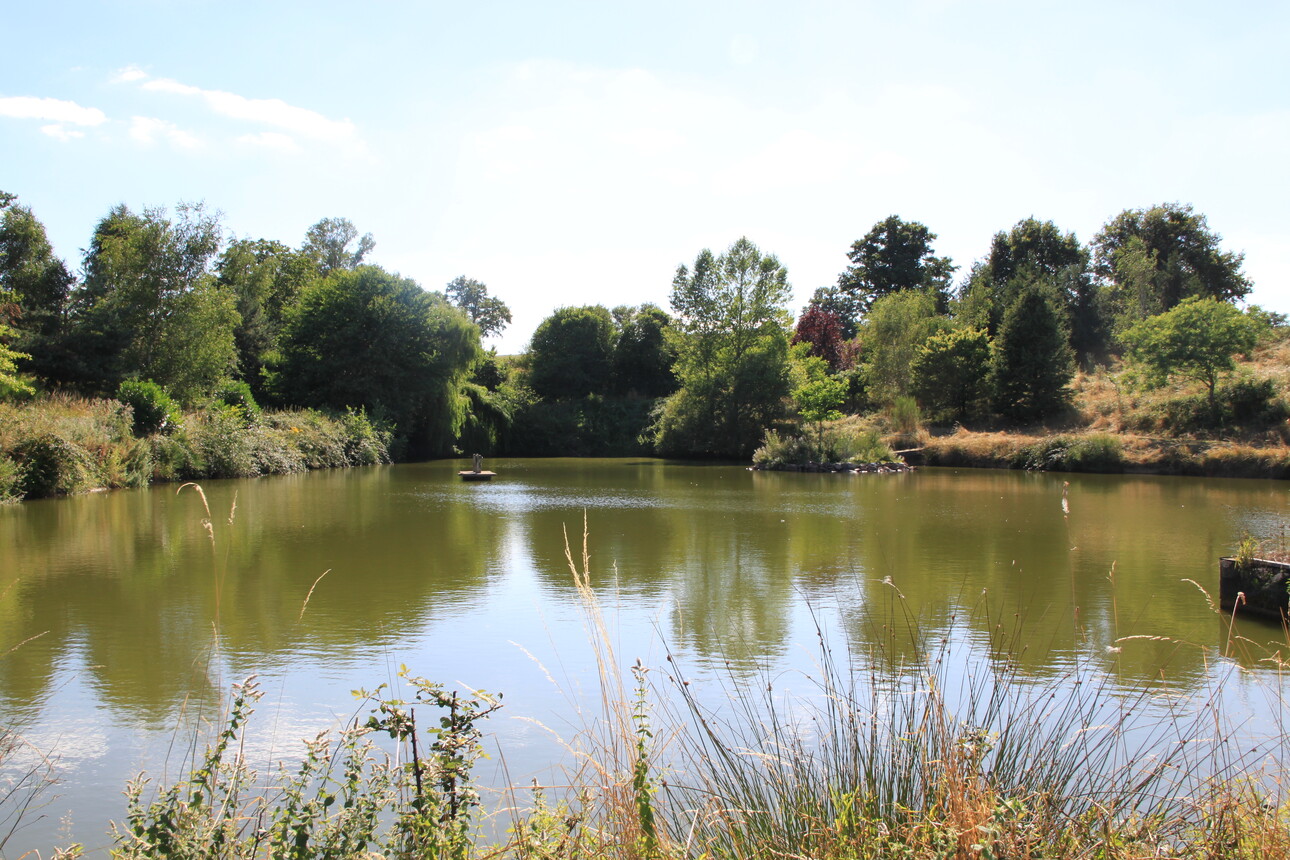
(123, 618)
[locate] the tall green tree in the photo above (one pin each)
(1037, 252)
(1151, 259)
(150, 306)
(951, 373)
(571, 353)
(732, 352)
(644, 354)
(335, 244)
(367, 338)
(10, 382)
(265, 278)
(488, 312)
(1033, 364)
(895, 256)
(39, 289)
(896, 327)
(1196, 340)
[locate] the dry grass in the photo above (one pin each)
(997, 450)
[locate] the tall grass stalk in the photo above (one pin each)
(907, 759)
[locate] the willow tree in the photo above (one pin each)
(365, 338)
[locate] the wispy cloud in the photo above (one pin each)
(61, 132)
(57, 110)
(275, 113)
(150, 130)
(129, 75)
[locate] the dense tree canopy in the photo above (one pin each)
(1037, 254)
(334, 244)
(571, 353)
(821, 329)
(367, 338)
(643, 352)
(265, 278)
(1152, 259)
(894, 256)
(732, 352)
(150, 306)
(488, 312)
(37, 289)
(897, 325)
(1033, 364)
(1196, 340)
(951, 373)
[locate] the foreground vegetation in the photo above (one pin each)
(886, 754)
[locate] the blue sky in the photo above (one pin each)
(569, 153)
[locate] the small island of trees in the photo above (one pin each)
(177, 351)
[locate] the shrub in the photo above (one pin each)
(237, 394)
(154, 411)
(171, 458)
(11, 474)
(221, 445)
(1247, 403)
(842, 444)
(1098, 452)
(365, 443)
(52, 465)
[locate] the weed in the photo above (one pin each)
(1095, 452)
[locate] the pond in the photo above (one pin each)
(124, 619)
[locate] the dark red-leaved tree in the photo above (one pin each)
(823, 331)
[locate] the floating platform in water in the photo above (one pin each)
(469, 475)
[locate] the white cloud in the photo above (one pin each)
(129, 74)
(60, 132)
(149, 130)
(271, 112)
(58, 110)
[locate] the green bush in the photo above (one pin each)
(841, 445)
(221, 444)
(365, 443)
(1246, 403)
(52, 466)
(1096, 452)
(11, 474)
(172, 459)
(154, 411)
(237, 394)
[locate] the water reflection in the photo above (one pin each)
(127, 606)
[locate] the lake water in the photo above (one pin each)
(123, 620)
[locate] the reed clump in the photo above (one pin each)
(840, 441)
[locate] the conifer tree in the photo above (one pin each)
(1033, 363)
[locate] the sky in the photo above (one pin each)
(570, 153)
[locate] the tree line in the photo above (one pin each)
(165, 298)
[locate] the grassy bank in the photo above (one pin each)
(1095, 451)
(62, 444)
(1115, 424)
